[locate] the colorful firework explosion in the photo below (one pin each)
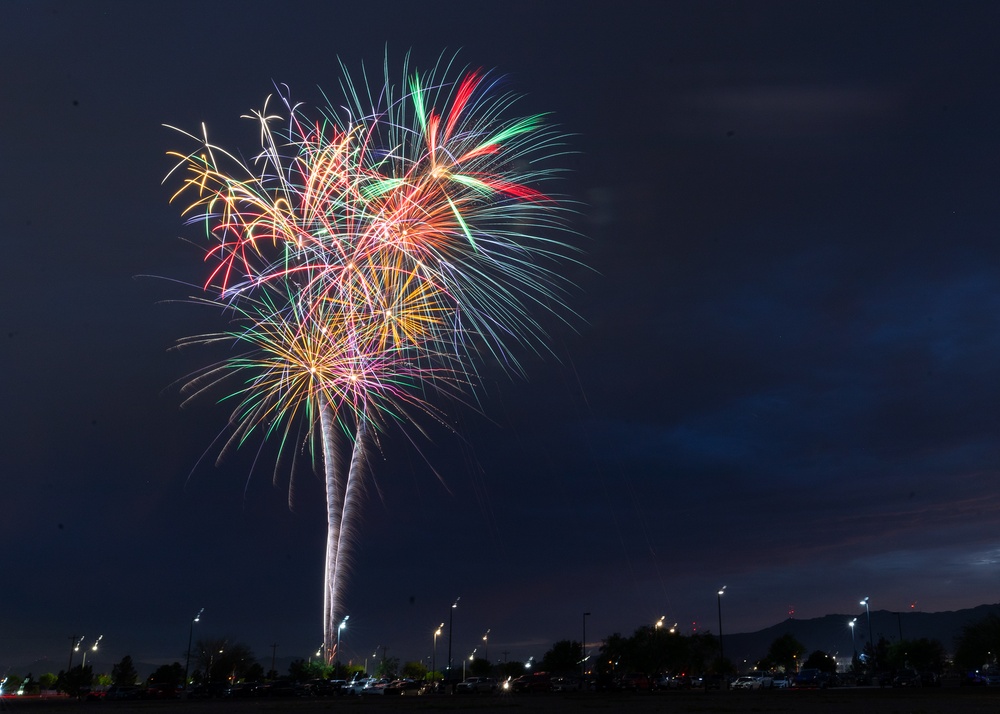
(370, 257)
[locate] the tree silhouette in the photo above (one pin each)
(123, 674)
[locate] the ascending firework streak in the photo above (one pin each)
(369, 258)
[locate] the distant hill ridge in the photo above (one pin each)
(832, 634)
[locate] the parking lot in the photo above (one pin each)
(835, 701)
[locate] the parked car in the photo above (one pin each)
(326, 687)
(566, 684)
(813, 678)
(476, 685)
(246, 690)
(209, 690)
(746, 682)
(634, 681)
(283, 688)
(119, 692)
(403, 687)
(667, 681)
(532, 683)
(355, 686)
(375, 686)
(161, 691)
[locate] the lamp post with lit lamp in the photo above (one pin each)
(583, 646)
(871, 643)
(434, 653)
(486, 645)
(92, 649)
(341, 626)
(451, 628)
(74, 648)
(722, 651)
(854, 645)
(187, 662)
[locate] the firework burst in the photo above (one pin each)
(369, 257)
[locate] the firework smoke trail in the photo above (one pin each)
(369, 258)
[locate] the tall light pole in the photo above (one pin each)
(583, 646)
(343, 624)
(187, 662)
(854, 645)
(486, 646)
(451, 628)
(871, 644)
(92, 649)
(722, 651)
(434, 652)
(73, 648)
(471, 658)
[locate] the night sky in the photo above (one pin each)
(784, 377)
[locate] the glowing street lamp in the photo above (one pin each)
(486, 646)
(871, 644)
(451, 628)
(471, 658)
(74, 648)
(340, 627)
(187, 662)
(434, 650)
(722, 655)
(854, 645)
(92, 649)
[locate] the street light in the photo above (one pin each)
(187, 662)
(92, 649)
(486, 645)
(471, 658)
(434, 651)
(342, 625)
(451, 628)
(854, 645)
(659, 623)
(583, 646)
(871, 645)
(722, 655)
(74, 648)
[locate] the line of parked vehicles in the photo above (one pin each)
(532, 683)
